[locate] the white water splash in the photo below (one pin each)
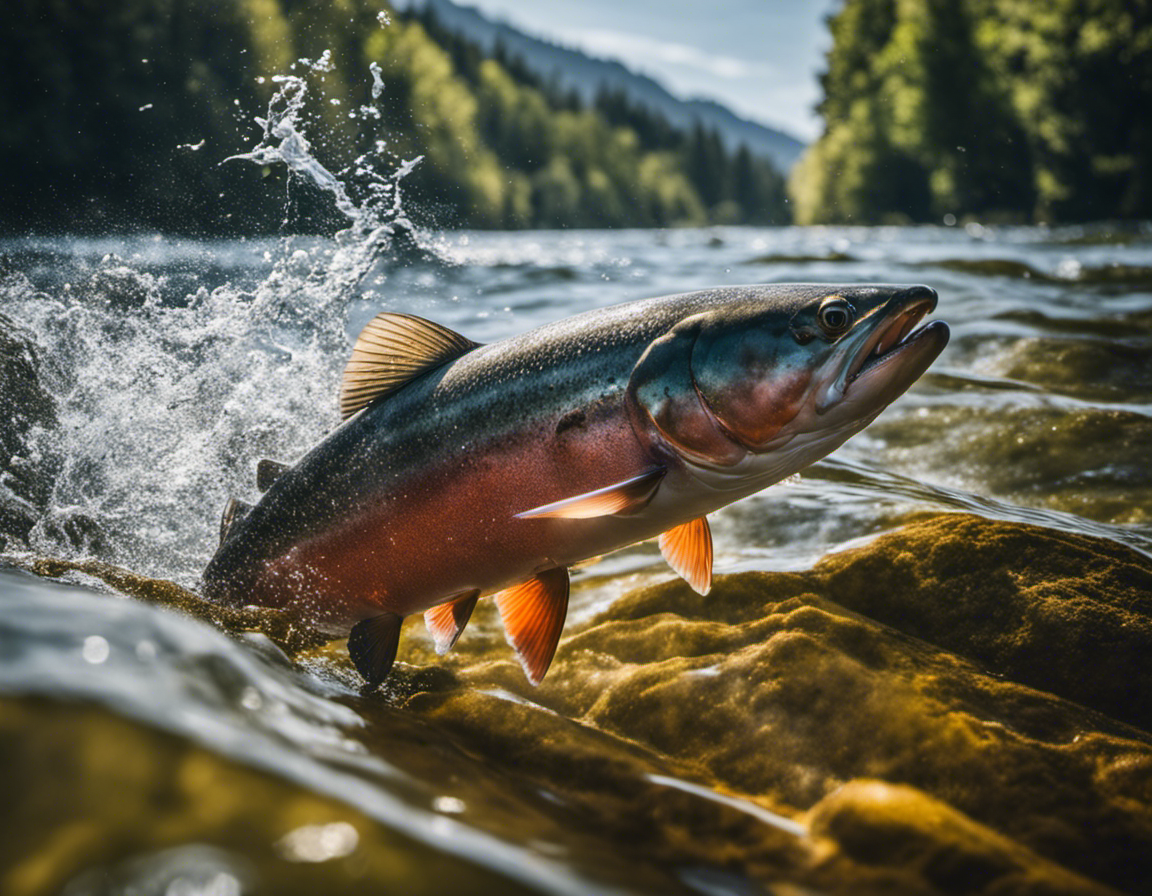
(323, 64)
(377, 80)
(376, 217)
(167, 392)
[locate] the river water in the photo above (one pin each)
(174, 365)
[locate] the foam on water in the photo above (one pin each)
(166, 398)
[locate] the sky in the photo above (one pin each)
(760, 58)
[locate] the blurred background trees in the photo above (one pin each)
(116, 115)
(1029, 110)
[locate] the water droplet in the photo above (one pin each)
(449, 805)
(319, 842)
(95, 650)
(250, 699)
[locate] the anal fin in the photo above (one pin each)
(621, 497)
(234, 511)
(372, 645)
(533, 614)
(445, 621)
(688, 550)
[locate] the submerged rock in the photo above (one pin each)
(95, 804)
(911, 766)
(1061, 612)
(960, 706)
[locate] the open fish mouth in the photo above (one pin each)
(896, 341)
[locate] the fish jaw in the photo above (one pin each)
(819, 400)
(731, 388)
(878, 364)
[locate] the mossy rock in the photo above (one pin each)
(955, 707)
(1064, 613)
(957, 684)
(97, 804)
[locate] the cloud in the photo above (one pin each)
(637, 49)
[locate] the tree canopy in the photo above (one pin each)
(1003, 109)
(117, 115)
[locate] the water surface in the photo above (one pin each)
(174, 365)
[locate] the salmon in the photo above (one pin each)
(463, 471)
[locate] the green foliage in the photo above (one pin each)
(1009, 109)
(105, 100)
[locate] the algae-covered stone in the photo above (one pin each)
(771, 693)
(1064, 613)
(938, 849)
(97, 804)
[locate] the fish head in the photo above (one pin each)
(776, 364)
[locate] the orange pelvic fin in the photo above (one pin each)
(372, 645)
(445, 621)
(533, 615)
(393, 350)
(620, 497)
(688, 550)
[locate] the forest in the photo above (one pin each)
(117, 116)
(997, 110)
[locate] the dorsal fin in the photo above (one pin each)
(267, 472)
(688, 550)
(445, 621)
(619, 497)
(393, 350)
(533, 615)
(234, 511)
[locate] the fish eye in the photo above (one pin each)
(835, 316)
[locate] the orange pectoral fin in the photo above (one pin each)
(688, 550)
(620, 497)
(445, 621)
(533, 615)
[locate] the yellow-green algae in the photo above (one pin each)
(284, 629)
(85, 790)
(983, 729)
(770, 690)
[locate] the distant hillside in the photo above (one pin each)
(118, 115)
(573, 70)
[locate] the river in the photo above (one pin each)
(166, 368)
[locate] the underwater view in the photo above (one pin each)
(922, 666)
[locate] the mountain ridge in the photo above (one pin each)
(574, 69)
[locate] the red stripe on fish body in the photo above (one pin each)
(415, 499)
(453, 527)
